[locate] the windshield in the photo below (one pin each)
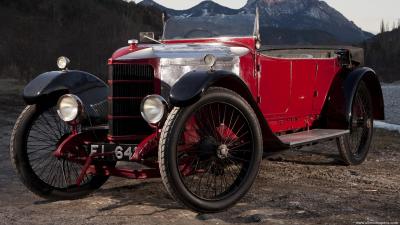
(242, 25)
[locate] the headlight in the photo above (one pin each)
(153, 108)
(63, 62)
(69, 107)
(210, 60)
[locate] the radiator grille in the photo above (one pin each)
(129, 84)
(132, 89)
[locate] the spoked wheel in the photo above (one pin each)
(354, 147)
(36, 135)
(210, 152)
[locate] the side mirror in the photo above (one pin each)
(146, 37)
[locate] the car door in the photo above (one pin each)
(303, 75)
(274, 86)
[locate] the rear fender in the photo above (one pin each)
(192, 86)
(337, 109)
(48, 87)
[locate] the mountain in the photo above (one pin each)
(382, 53)
(202, 9)
(287, 18)
(306, 15)
(36, 32)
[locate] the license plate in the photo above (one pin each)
(120, 152)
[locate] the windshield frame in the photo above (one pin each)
(255, 33)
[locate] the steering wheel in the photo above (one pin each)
(210, 33)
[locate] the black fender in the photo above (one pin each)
(192, 86)
(337, 110)
(48, 87)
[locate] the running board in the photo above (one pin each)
(311, 136)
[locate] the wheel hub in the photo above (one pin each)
(222, 151)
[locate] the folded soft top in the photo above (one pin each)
(311, 51)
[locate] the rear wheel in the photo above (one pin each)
(354, 147)
(210, 152)
(36, 135)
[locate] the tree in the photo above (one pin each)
(382, 26)
(387, 27)
(88, 32)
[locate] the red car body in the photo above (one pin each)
(290, 92)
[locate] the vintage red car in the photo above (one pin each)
(198, 108)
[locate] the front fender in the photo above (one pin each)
(48, 87)
(338, 108)
(192, 86)
(189, 89)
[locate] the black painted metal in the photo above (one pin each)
(192, 86)
(48, 87)
(129, 84)
(338, 107)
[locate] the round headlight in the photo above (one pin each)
(63, 62)
(210, 60)
(69, 107)
(153, 108)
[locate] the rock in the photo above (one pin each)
(204, 217)
(256, 218)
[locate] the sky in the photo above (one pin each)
(367, 14)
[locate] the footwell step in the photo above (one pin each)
(311, 136)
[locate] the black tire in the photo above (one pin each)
(34, 163)
(354, 148)
(219, 151)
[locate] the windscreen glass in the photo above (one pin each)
(241, 25)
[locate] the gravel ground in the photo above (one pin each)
(308, 186)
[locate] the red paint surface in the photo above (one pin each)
(291, 92)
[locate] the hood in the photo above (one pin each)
(176, 60)
(172, 51)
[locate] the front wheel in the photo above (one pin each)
(36, 135)
(210, 152)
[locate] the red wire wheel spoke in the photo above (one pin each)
(210, 152)
(219, 153)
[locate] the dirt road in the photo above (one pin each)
(308, 186)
